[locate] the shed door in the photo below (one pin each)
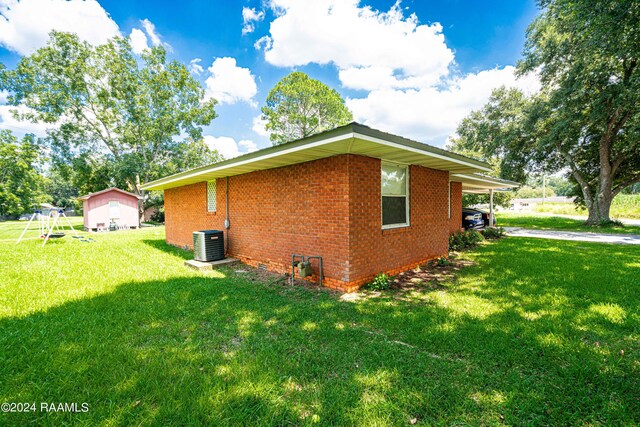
(114, 210)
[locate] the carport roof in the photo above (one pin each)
(353, 138)
(478, 183)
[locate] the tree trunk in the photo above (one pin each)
(599, 206)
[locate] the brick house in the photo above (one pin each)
(364, 200)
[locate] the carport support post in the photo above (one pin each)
(491, 207)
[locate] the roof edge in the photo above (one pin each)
(350, 130)
(106, 190)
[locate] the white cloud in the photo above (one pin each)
(249, 17)
(433, 113)
(25, 25)
(229, 83)
(263, 42)
(405, 67)
(195, 67)
(259, 126)
(228, 147)
(361, 42)
(249, 146)
(18, 127)
(4, 96)
(138, 41)
(150, 29)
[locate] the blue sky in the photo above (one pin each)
(414, 68)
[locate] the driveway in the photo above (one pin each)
(620, 239)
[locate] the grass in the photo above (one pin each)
(532, 335)
(541, 222)
(11, 230)
(623, 206)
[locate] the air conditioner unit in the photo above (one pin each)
(208, 245)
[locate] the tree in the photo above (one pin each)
(586, 118)
(61, 192)
(488, 134)
(299, 106)
(119, 115)
(526, 192)
(561, 185)
(20, 180)
(587, 55)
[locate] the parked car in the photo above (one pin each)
(485, 217)
(471, 218)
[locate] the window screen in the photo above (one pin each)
(211, 196)
(395, 203)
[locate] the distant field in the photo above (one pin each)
(623, 206)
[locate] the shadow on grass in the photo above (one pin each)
(218, 351)
(162, 245)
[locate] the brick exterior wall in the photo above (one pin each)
(374, 250)
(329, 207)
(455, 222)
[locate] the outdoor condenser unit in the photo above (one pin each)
(208, 245)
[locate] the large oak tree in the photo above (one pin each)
(586, 118)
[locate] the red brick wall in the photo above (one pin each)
(304, 208)
(273, 214)
(374, 250)
(185, 211)
(455, 223)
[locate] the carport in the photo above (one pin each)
(481, 184)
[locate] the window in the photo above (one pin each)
(395, 196)
(114, 209)
(211, 196)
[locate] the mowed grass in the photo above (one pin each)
(623, 206)
(539, 332)
(11, 230)
(541, 222)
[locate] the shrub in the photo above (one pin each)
(158, 216)
(464, 239)
(493, 232)
(442, 262)
(380, 283)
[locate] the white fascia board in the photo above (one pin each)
(264, 157)
(418, 151)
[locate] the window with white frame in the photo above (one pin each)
(395, 195)
(211, 196)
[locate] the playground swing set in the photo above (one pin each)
(49, 224)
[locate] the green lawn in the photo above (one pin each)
(532, 335)
(623, 206)
(541, 222)
(11, 230)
